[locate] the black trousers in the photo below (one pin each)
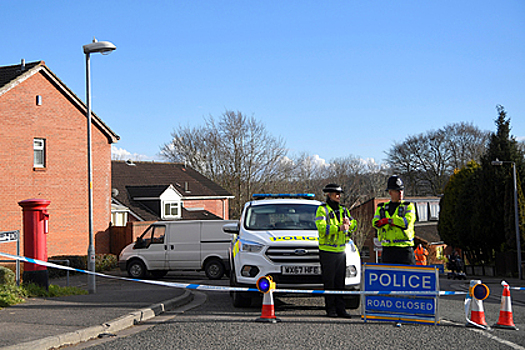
(398, 255)
(333, 266)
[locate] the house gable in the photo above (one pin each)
(36, 105)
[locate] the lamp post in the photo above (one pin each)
(516, 215)
(104, 47)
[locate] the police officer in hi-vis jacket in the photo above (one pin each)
(334, 226)
(394, 221)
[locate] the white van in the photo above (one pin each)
(277, 236)
(178, 245)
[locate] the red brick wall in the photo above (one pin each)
(64, 179)
(218, 207)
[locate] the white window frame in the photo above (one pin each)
(172, 205)
(39, 153)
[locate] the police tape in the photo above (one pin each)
(229, 289)
(517, 288)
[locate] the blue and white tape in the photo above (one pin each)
(229, 289)
(517, 288)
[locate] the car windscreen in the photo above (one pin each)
(281, 217)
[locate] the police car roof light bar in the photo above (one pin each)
(283, 195)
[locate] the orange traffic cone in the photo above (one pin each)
(477, 313)
(505, 313)
(268, 310)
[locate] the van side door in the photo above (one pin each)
(183, 250)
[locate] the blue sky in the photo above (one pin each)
(332, 78)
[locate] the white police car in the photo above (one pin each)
(277, 236)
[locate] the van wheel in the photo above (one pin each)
(214, 269)
(352, 301)
(137, 269)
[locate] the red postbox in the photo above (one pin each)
(36, 226)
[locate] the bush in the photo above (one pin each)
(103, 262)
(106, 262)
(11, 295)
(7, 277)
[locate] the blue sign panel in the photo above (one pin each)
(400, 293)
(399, 279)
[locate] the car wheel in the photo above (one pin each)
(239, 299)
(137, 269)
(352, 301)
(214, 269)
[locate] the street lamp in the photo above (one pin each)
(516, 215)
(104, 47)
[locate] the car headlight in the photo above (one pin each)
(251, 247)
(351, 271)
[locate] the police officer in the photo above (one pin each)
(334, 225)
(394, 221)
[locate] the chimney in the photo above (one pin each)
(23, 65)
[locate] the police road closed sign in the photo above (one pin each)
(409, 307)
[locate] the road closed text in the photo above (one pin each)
(408, 306)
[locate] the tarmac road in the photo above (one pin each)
(210, 322)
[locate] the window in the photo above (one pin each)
(171, 209)
(422, 211)
(39, 153)
(153, 235)
(119, 218)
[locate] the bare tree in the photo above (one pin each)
(427, 160)
(235, 151)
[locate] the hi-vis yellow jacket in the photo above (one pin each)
(400, 233)
(327, 222)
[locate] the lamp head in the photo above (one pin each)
(104, 47)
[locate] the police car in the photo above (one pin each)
(276, 235)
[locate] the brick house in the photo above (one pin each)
(426, 233)
(43, 154)
(145, 192)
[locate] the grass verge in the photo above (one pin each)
(12, 295)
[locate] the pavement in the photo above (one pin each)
(48, 323)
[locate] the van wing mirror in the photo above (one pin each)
(232, 229)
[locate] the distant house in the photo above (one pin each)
(426, 233)
(151, 191)
(145, 192)
(43, 155)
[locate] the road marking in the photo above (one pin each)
(488, 335)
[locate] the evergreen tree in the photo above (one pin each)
(454, 225)
(477, 208)
(494, 217)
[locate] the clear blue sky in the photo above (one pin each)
(332, 78)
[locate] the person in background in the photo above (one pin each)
(421, 255)
(394, 221)
(334, 226)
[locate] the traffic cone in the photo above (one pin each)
(505, 313)
(477, 313)
(268, 310)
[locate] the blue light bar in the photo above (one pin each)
(283, 195)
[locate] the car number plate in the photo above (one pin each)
(301, 270)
